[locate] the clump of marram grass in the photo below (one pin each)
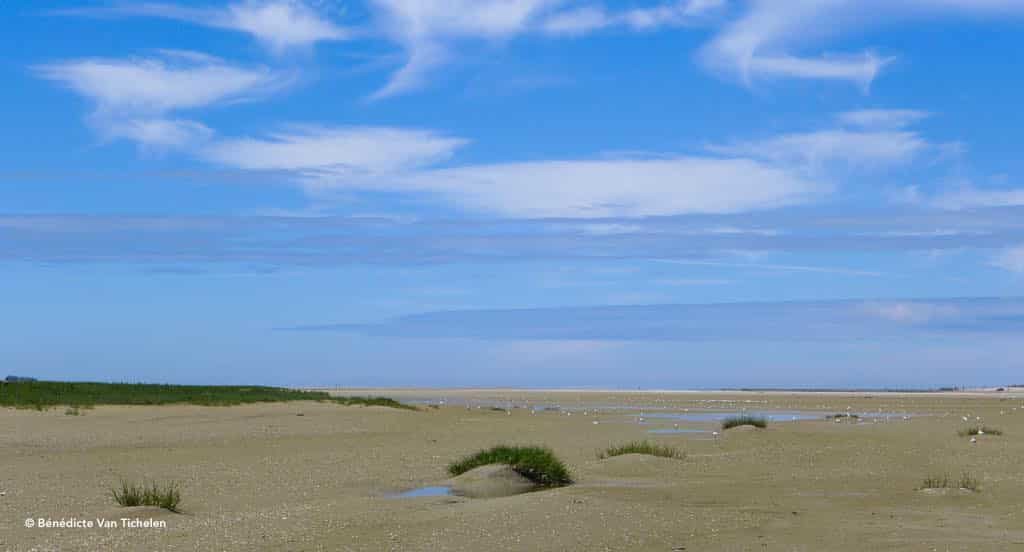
(936, 482)
(967, 482)
(538, 464)
(843, 416)
(745, 420)
(976, 430)
(166, 496)
(642, 447)
(72, 411)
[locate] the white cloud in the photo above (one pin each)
(1011, 259)
(177, 81)
(763, 42)
(279, 24)
(348, 151)
(133, 96)
(590, 18)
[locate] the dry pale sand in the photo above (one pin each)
(261, 477)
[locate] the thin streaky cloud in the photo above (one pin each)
(779, 267)
(766, 41)
(349, 151)
(797, 321)
(279, 24)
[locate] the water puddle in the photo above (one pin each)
(425, 492)
(772, 416)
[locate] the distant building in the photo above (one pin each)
(12, 379)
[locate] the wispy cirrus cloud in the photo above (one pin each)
(337, 151)
(279, 24)
(766, 41)
(590, 18)
(427, 29)
(763, 39)
(133, 97)
(430, 31)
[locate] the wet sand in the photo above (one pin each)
(264, 477)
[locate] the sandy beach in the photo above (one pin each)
(317, 476)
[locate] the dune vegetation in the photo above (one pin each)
(642, 447)
(538, 464)
(745, 420)
(41, 395)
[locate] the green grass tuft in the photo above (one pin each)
(936, 482)
(843, 416)
(642, 447)
(967, 481)
(166, 496)
(975, 430)
(743, 420)
(538, 464)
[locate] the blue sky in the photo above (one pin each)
(692, 193)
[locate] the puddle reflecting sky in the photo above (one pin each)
(424, 491)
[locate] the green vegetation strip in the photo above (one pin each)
(538, 464)
(41, 395)
(744, 420)
(642, 447)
